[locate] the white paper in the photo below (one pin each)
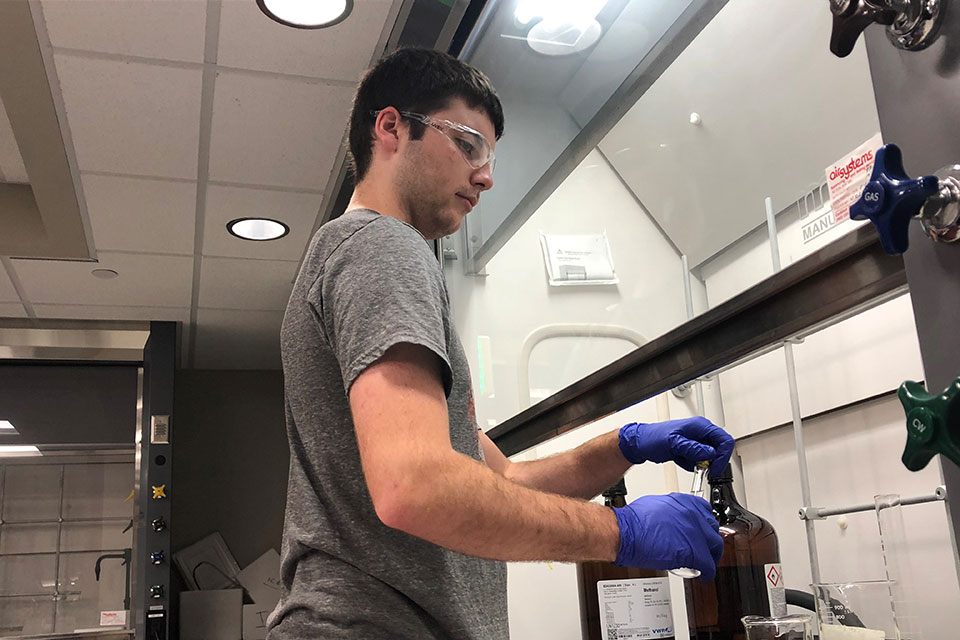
(261, 579)
(636, 609)
(776, 592)
(578, 259)
(846, 179)
(111, 618)
(255, 622)
(838, 632)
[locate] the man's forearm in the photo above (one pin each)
(458, 503)
(584, 472)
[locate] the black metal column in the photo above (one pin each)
(153, 606)
(918, 100)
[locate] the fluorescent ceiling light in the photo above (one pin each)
(303, 14)
(576, 13)
(257, 229)
(565, 27)
(7, 427)
(556, 39)
(18, 450)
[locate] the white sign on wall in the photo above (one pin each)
(846, 179)
(578, 259)
(111, 618)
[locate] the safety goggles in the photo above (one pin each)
(470, 143)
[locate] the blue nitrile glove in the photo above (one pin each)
(669, 532)
(686, 442)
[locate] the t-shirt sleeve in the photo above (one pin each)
(381, 287)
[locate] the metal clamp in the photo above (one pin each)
(821, 513)
(940, 215)
(911, 24)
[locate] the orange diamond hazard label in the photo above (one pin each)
(774, 576)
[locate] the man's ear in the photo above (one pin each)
(387, 129)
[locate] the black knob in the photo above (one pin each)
(156, 557)
(159, 525)
(851, 17)
(156, 591)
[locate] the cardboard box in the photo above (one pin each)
(255, 621)
(211, 615)
(261, 579)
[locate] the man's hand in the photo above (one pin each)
(686, 442)
(669, 532)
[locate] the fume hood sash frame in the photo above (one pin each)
(845, 277)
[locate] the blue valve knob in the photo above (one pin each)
(891, 199)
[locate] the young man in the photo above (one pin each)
(400, 512)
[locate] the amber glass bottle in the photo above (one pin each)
(749, 576)
(623, 602)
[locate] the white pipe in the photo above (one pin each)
(688, 299)
(584, 330)
(795, 409)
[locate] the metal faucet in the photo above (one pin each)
(126, 556)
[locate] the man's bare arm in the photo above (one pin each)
(582, 472)
(420, 485)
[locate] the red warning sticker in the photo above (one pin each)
(774, 576)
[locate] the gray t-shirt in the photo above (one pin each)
(369, 282)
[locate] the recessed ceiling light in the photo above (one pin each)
(18, 450)
(314, 14)
(7, 427)
(104, 274)
(257, 229)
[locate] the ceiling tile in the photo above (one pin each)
(238, 339)
(297, 210)
(129, 214)
(276, 131)
(133, 118)
(231, 283)
(339, 52)
(7, 292)
(144, 280)
(173, 30)
(92, 312)
(11, 163)
(104, 312)
(12, 310)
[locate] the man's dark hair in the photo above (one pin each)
(418, 80)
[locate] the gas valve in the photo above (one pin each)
(911, 24)
(892, 199)
(933, 424)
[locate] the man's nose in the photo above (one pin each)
(483, 178)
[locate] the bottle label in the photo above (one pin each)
(636, 609)
(776, 592)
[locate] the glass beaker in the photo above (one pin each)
(866, 606)
(793, 627)
(897, 565)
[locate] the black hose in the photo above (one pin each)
(801, 599)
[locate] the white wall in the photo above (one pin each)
(536, 132)
(514, 298)
(853, 455)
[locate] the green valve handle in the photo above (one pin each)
(933, 424)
